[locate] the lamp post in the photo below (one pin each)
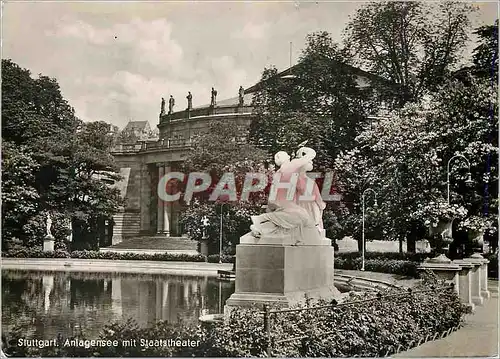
(363, 231)
(467, 181)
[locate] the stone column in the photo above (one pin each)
(444, 269)
(167, 208)
(476, 279)
(116, 297)
(464, 282)
(160, 216)
(158, 301)
(164, 296)
(165, 307)
(485, 293)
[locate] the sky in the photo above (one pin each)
(115, 60)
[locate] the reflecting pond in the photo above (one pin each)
(63, 302)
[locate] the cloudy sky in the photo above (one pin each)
(115, 60)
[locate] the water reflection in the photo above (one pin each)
(49, 303)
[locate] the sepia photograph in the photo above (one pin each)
(249, 179)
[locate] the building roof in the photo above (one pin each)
(137, 125)
(354, 70)
(250, 91)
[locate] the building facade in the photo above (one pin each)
(142, 164)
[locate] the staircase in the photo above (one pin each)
(154, 244)
(127, 224)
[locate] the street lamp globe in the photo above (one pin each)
(469, 181)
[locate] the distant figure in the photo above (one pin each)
(171, 103)
(204, 224)
(190, 100)
(213, 100)
(162, 111)
(316, 207)
(241, 93)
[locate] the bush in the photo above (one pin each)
(214, 258)
(367, 327)
(38, 253)
(493, 265)
(392, 266)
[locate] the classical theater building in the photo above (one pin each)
(144, 163)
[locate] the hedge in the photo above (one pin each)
(405, 256)
(391, 266)
(366, 327)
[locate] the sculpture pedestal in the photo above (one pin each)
(274, 270)
(465, 282)
(48, 243)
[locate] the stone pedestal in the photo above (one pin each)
(444, 269)
(48, 243)
(276, 270)
(465, 282)
(478, 279)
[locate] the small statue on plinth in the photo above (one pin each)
(241, 94)
(284, 214)
(204, 238)
(213, 99)
(190, 101)
(204, 224)
(171, 103)
(48, 241)
(49, 225)
(162, 111)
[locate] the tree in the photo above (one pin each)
(485, 55)
(58, 161)
(404, 158)
(19, 195)
(413, 44)
(223, 149)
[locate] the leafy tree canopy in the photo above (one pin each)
(51, 160)
(413, 44)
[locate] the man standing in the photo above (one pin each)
(213, 100)
(171, 103)
(190, 100)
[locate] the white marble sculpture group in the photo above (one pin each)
(287, 215)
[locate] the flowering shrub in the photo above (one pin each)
(433, 212)
(235, 222)
(365, 325)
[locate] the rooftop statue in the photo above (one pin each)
(241, 94)
(190, 100)
(49, 225)
(314, 206)
(213, 99)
